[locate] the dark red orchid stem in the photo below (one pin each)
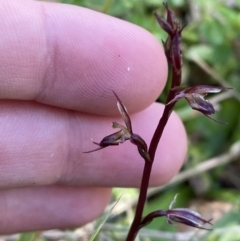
(166, 114)
(141, 202)
(173, 54)
(147, 171)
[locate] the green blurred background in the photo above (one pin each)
(209, 181)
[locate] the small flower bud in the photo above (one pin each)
(166, 26)
(172, 45)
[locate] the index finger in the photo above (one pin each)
(73, 58)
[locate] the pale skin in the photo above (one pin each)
(58, 67)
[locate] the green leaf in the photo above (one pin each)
(203, 51)
(93, 236)
(211, 31)
(30, 236)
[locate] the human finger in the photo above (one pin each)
(42, 145)
(72, 57)
(28, 209)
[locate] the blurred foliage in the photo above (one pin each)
(211, 53)
(30, 236)
(222, 228)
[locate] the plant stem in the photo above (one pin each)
(173, 55)
(147, 172)
(141, 202)
(175, 81)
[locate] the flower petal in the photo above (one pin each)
(197, 102)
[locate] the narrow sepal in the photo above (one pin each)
(123, 111)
